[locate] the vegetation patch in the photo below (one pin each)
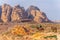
(54, 36)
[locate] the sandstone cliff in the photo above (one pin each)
(6, 13)
(36, 15)
(19, 14)
(0, 13)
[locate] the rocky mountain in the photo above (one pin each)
(18, 13)
(36, 15)
(6, 13)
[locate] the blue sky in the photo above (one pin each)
(50, 7)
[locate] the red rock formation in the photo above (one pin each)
(17, 13)
(36, 15)
(6, 12)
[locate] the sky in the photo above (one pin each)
(50, 7)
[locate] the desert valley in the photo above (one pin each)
(16, 23)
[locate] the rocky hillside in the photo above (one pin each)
(19, 14)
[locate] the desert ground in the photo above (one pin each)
(29, 31)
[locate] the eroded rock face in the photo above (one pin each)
(0, 13)
(6, 13)
(17, 13)
(36, 15)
